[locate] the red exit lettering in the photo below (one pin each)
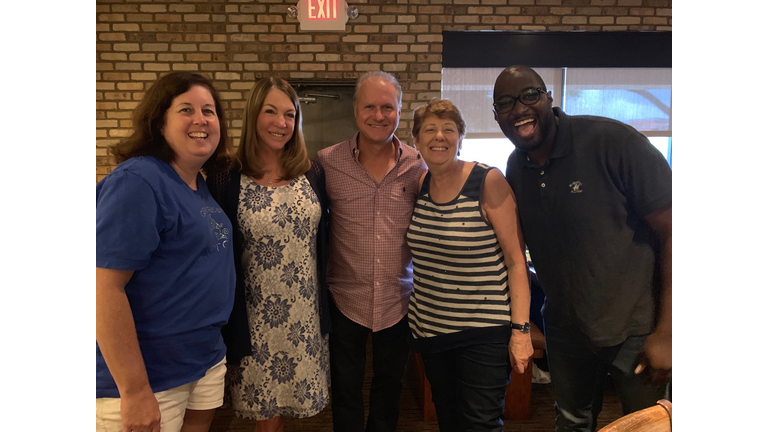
(321, 9)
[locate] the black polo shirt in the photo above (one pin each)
(581, 215)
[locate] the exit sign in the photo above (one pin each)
(322, 15)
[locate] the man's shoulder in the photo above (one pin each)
(589, 133)
(333, 151)
(407, 149)
(590, 124)
(410, 158)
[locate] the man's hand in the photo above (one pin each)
(656, 358)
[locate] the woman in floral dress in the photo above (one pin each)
(277, 345)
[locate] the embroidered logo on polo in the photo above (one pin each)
(576, 187)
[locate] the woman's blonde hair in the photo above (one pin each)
(294, 160)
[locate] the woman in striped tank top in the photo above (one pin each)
(470, 281)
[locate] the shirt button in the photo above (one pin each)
(378, 237)
(543, 185)
(541, 173)
(378, 260)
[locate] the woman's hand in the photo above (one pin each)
(520, 350)
(140, 412)
(119, 344)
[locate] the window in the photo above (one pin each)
(640, 97)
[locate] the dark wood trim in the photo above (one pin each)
(557, 49)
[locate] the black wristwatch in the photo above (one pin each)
(524, 327)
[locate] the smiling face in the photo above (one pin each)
(276, 121)
(438, 140)
(191, 126)
(377, 111)
(529, 127)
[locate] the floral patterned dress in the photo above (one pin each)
(287, 373)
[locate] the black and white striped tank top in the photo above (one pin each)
(459, 275)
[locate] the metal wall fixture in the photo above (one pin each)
(311, 98)
(322, 95)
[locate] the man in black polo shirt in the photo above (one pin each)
(595, 203)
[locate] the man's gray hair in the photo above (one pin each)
(384, 76)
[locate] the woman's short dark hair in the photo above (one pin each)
(149, 119)
(442, 109)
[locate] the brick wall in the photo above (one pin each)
(235, 42)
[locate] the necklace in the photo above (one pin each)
(272, 177)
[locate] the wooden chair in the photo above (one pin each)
(657, 418)
(517, 403)
(425, 390)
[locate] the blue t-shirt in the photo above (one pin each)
(178, 242)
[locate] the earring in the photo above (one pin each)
(418, 155)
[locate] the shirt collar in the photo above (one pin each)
(562, 144)
(356, 152)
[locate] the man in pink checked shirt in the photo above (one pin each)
(372, 182)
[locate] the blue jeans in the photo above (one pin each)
(579, 371)
(468, 386)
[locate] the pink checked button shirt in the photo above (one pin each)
(369, 271)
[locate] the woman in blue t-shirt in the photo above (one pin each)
(165, 274)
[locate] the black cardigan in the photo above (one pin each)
(225, 189)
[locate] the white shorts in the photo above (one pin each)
(203, 394)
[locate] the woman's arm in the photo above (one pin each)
(500, 208)
(116, 335)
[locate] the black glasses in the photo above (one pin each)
(528, 96)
